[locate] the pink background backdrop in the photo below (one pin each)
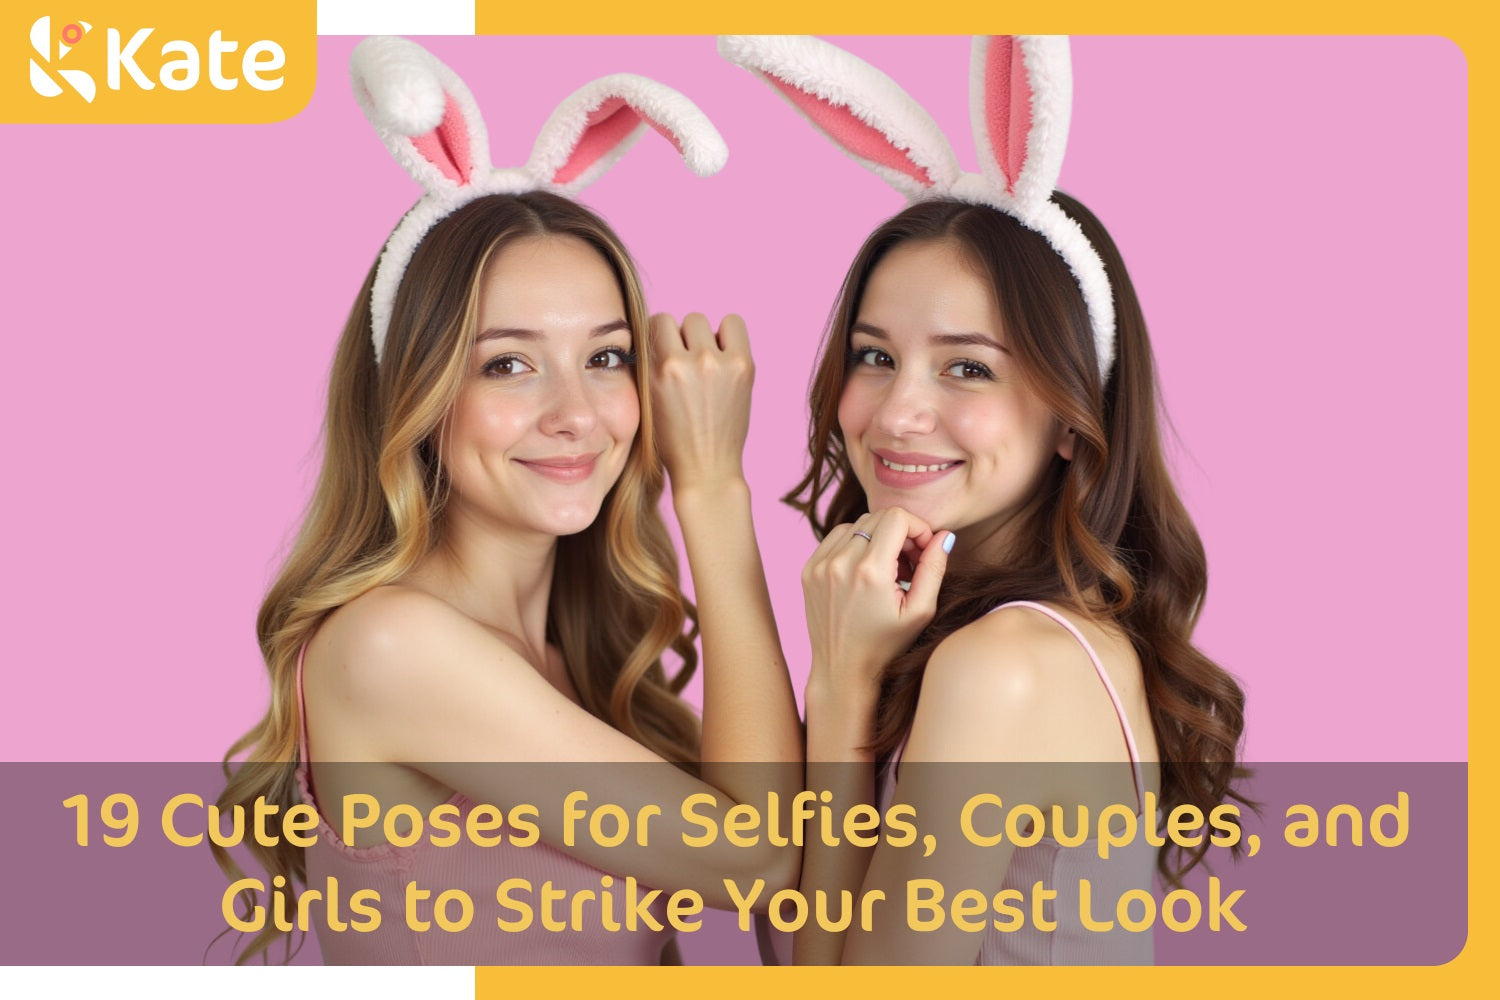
(1293, 211)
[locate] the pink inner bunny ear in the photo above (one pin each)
(447, 146)
(1007, 105)
(608, 125)
(844, 128)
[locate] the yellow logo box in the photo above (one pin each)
(156, 60)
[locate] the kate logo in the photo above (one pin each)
(143, 61)
(41, 42)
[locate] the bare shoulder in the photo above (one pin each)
(387, 620)
(1000, 688)
(401, 675)
(1004, 655)
(382, 643)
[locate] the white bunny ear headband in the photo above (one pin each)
(1020, 98)
(428, 120)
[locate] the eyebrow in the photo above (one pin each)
(947, 339)
(522, 333)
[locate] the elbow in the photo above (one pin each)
(777, 868)
(757, 876)
(785, 869)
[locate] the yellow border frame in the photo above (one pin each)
(1473, 33)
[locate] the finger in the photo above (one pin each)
(838, 533)
(917, 528)
(861, 533)
(837, 536)
(848, 551)
(697, 334)
(911, 554)
(911, 534)
(918, 531)
(887, 537)
(928, 578)
(664, 333)
(734, 338)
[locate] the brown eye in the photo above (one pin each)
(871, 357)
(505, 364)
(968, 370)
(612, 357)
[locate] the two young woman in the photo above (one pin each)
(1005, 573)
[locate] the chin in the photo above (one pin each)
(881, 499)
(565, 529)
(565, 523)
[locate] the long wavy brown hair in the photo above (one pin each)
(1108, 536)
(616, 603)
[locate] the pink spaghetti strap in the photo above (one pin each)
(1136, 774)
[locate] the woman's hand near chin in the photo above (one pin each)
(861, 612)
(700, 396)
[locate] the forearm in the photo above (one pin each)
(839, 728)
(749, 710)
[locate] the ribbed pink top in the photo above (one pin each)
(1064, 868)
(478, 871)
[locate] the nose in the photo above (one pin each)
(570, 409)
(906, 407)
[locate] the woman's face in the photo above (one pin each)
(548, 409)
(935, 414)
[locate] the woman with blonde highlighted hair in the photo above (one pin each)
(483, 578)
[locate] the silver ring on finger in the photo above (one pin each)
(865, 535)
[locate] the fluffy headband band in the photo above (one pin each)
(428, 120)
(1020, 98)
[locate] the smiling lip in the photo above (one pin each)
(903, 470)
(563, 468)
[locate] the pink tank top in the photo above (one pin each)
(1064, 868)
(476, 870)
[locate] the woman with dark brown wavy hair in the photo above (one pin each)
(1005, 572)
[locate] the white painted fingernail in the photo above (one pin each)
(948, 542)
(904, 584)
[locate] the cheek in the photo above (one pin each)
(855, 407)
(620, 411)
(977, 426)
(1042, 429)
(487, 421)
